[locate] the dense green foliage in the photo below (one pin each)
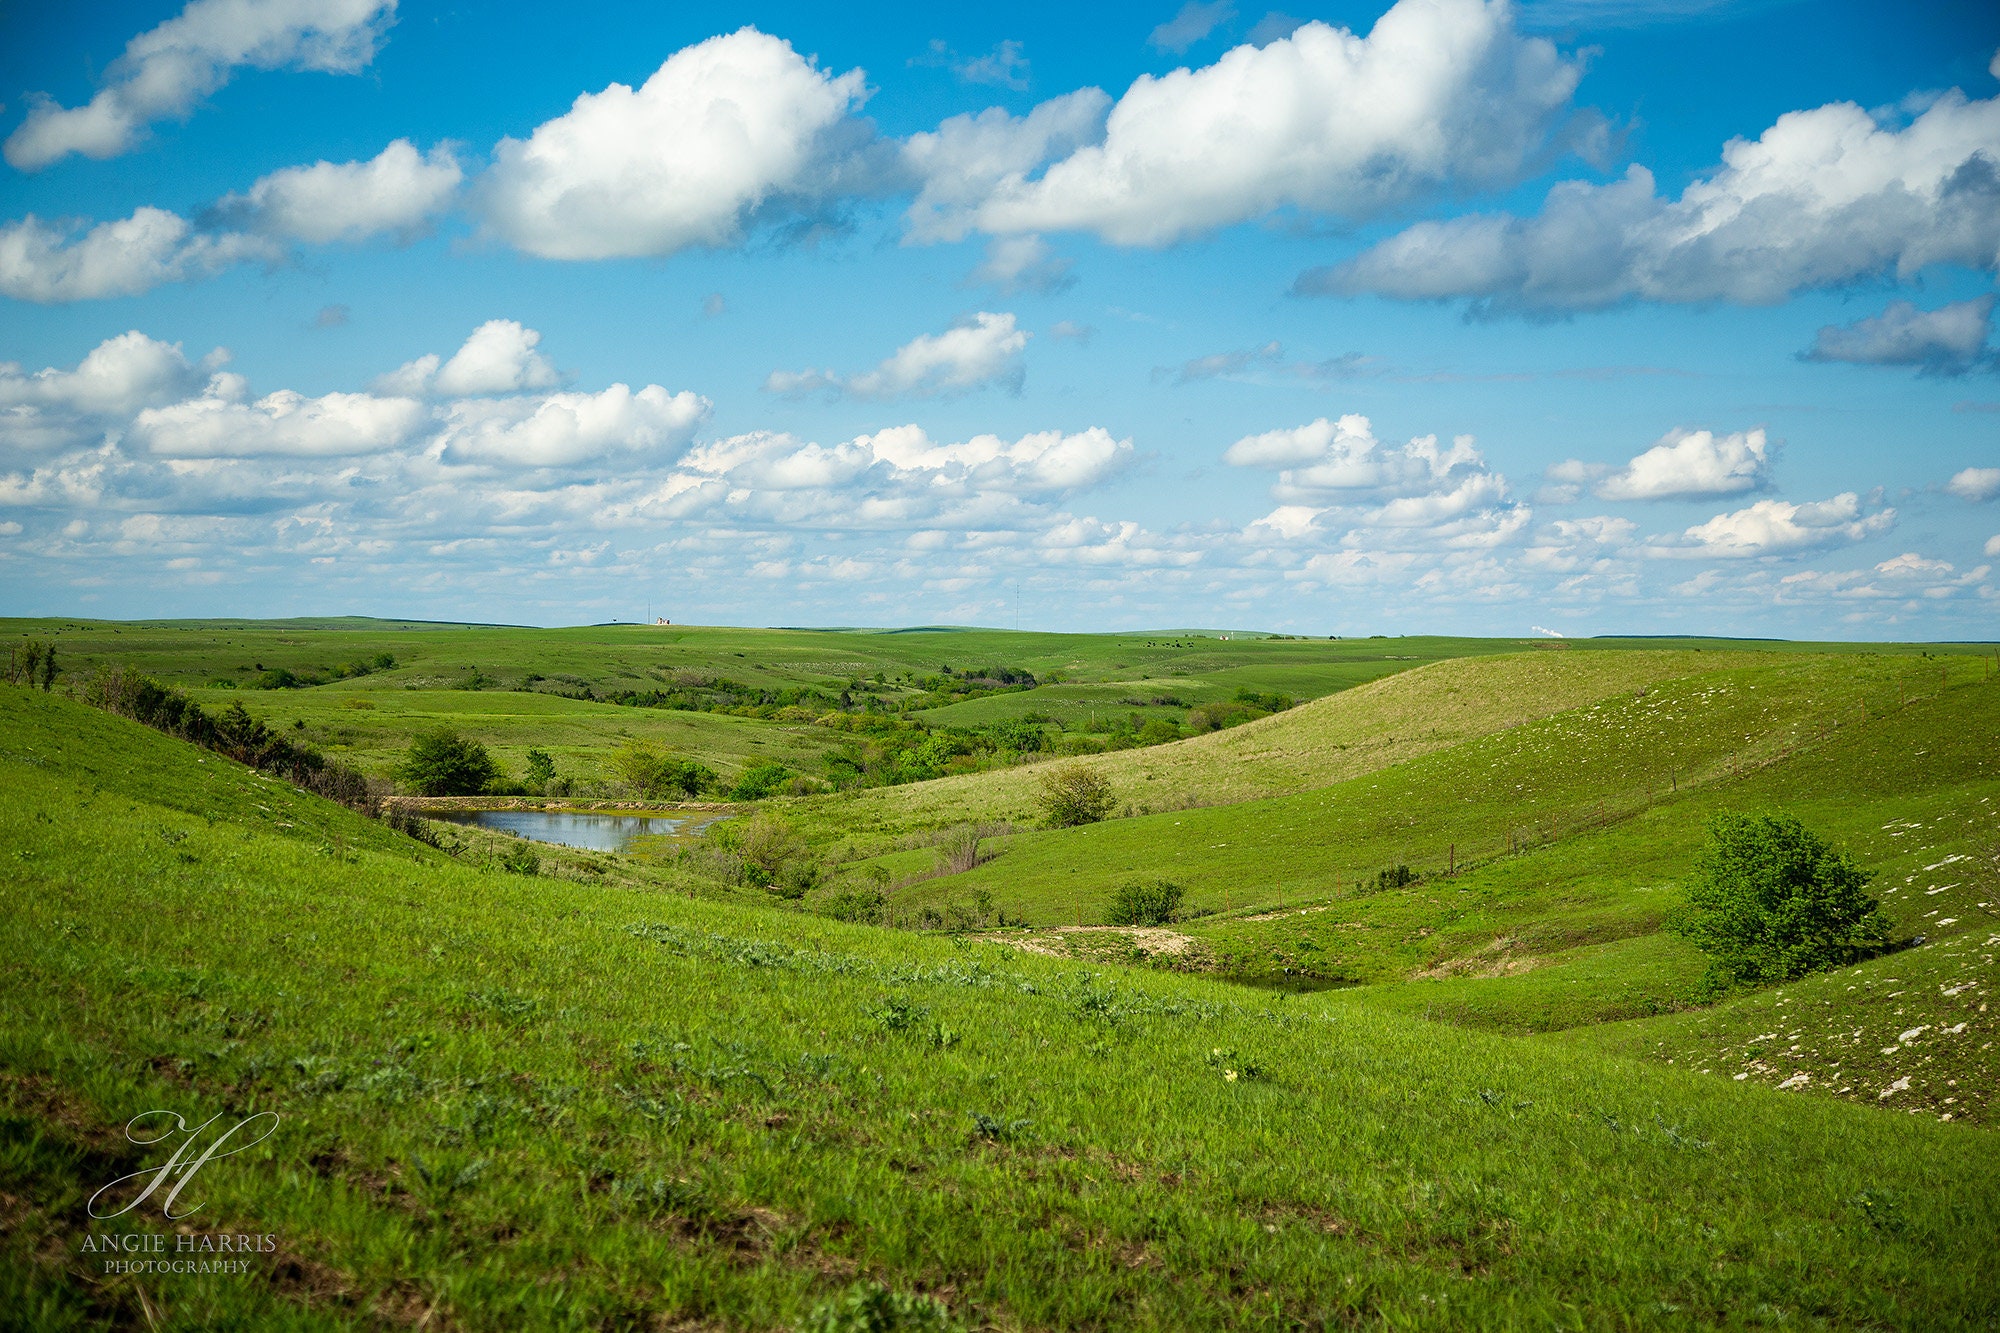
(1075, 794)
(1769, 900)
(444, 763)
(1152, 902)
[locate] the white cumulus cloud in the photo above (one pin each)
(166, 70)
(119, 375)
(1335, 474)
(1773, 527)
(565, 429)
(984, 350)
(1685, 463)
(51, 263)
(499, 357)
(718, 130)
(398, 190)
(1823, 197)
(219, 424)
(967, 157)
(1975, 483)
(1440, 94)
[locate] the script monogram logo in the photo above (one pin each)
(196, 1149)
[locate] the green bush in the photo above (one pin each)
(649, 773)
(1075, 794)
(1770, 900)
(443, 763)
(1146, 903)
(541, 772)
(863, 903)
(760, 781)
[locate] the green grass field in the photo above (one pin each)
(618, 1093)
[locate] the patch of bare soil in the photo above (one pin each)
(1497, 959)
(1153, 939)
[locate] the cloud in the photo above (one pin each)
(1270, 357)
(1002, 67)
(565, 429)
(1441, 94)
(1337, 473)
(984, 350)
(1824, 197)
(1571, 545)
(1773, 527)
(1975, 483)
(896, 477)
(1993, 542)
(119, 376)
(1684, 464)
(219, 424)
(965, 158)
(1218, 364)
(166, 70)
(1344, 455)
(1908, 578)
(1274, 26)
(332, 316)
(721, 129)
(398, 190)
(1022, 263)
(1194, 22)
(1069, 330)
(499, 357)
(1947, 341)
(47, 264)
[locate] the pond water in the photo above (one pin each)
(590, 830)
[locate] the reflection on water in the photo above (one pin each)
(591, 830)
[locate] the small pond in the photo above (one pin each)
(592, 830)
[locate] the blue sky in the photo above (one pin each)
(1580, 316)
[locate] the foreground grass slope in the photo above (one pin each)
(517, 1103)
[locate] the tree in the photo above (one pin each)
(1770, 900)
(645, 770)
(1075, 794)
(541, 772)
(443, 763)
(1145, 903)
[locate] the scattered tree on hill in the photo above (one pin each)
(32, 663)
(1075, 794)
(647, 771)
(1770, 900)
(541, 772)
(443, 763)
(1146, 903)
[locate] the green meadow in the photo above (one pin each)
(651, 1089)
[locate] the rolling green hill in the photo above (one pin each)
(622, 1091)
(515, 1102)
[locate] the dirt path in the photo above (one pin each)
(1153, 939)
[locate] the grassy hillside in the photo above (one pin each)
(512, 1102)
(1635, 755)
